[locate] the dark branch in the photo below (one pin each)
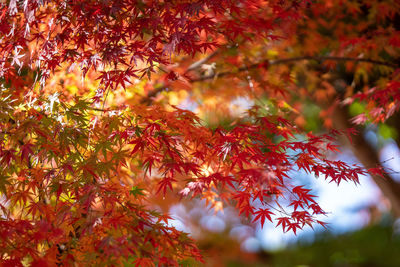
(267, 63)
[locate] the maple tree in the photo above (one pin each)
(94, 134)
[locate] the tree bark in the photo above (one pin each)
(368, 156)
(394, 121)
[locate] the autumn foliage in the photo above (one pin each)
(94, 136)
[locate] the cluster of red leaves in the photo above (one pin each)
(68, 195)
(75, 184)
(381, 103)
(245, 164)
(126, 39)
(76, 181)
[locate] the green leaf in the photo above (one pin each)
(356, 108)
(135, 191)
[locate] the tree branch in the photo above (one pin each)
(266, 63)
(198, 64)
